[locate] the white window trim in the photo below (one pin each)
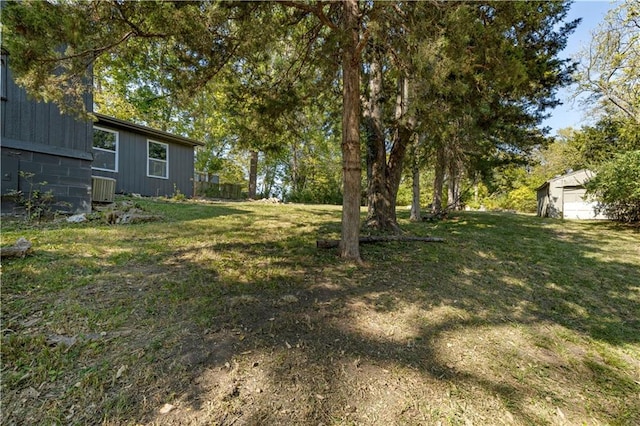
(155, 159)
(108, 150)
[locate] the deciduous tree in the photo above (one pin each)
(608, 70)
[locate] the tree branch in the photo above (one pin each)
(362, 43)
(318, 11)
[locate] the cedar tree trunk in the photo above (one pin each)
(381, 210)
(253, 175)
(438, 182)
(349, 243)
(385, 174)
(415, 187)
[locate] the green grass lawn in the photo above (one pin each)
(228, 313)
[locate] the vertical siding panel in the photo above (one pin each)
(85, 134)
(24, 118)
(70, 127)
(88, 137)
(5, 132)
(40, 123)
(132, 180)
(55, 130)
(180, 168)
(125, 165)
(3, 118)
(126, 157)
(150, 184)
(11, 125)
(138, 169)
(52, 132)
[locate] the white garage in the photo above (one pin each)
(565, 197)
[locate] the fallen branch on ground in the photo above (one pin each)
(379, 239)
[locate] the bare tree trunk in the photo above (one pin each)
(401, 141)
(295, 178)
(253, 175)
(415, 187)
(451, 187)
(438, 182)
(453, 178)
(349, 243)
(380, 208)
(386, 173)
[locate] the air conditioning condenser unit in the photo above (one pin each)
(103, 189)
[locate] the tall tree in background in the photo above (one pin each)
(500, 62)
(503, 73)
(608, 73)
(608, 70)
(388, 121)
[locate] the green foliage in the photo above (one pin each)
(617, 187)
(177, 47)
(522, 199)
(177, 194)
(557, 157)
(264, 76)
(317, 193)
(600, 143)
(608, 70)
(513, 188)
(494, 71)
(478, 197)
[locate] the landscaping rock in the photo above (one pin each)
(77, 218)
(20, 249)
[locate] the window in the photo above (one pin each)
(105, 150)
(157, 159)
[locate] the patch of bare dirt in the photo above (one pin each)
(320, 353)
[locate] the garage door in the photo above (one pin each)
(575, 207)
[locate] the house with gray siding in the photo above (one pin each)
(142, 160)
(73, 156)
(39, 141)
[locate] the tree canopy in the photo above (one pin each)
(609, 65)
(472, 79)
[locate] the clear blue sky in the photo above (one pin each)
(571, 114)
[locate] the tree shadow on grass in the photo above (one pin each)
(307, 357)
(492, 323)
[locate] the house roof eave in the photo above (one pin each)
(588, 173)
(108, 121)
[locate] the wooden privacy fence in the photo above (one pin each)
(228, 191)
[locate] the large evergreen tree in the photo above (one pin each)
(476, 78)
(491, 68)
